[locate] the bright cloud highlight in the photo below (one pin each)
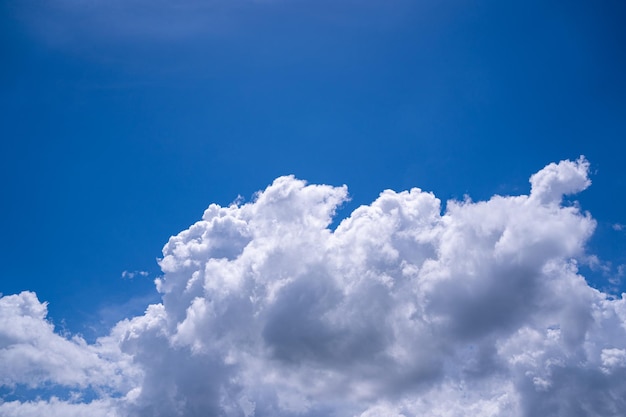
(400, 311)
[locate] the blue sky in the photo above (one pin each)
(123, 120)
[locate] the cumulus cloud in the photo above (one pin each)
(33, 356)
(402, 310)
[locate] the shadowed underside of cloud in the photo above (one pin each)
(400, 311)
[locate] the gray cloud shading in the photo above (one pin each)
(400, 311)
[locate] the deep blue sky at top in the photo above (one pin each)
(122, 120)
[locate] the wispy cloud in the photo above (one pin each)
(401, 310)
(133, 274)
(124, 23)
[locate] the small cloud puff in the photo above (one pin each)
(133, 274)
(401, 310)
(556, 180)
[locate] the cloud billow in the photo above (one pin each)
(399, 311)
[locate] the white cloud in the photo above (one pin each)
(400, 311)
(58, 408)
(32, 354)
(554, 181)
(133, 274)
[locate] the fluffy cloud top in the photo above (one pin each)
(400, 311)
